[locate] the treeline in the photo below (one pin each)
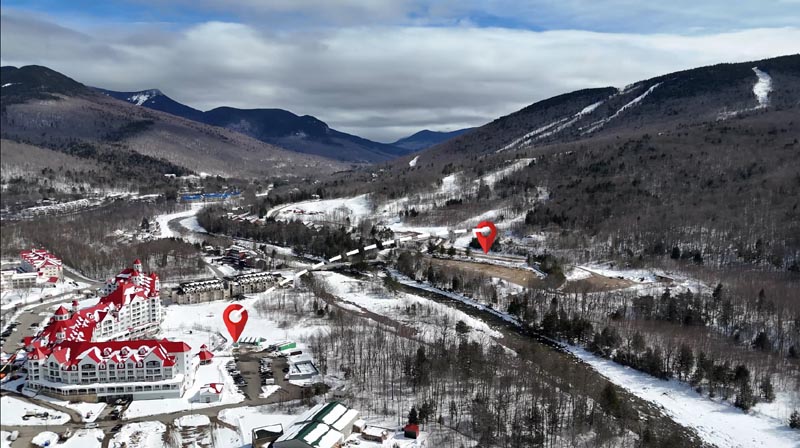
(322, 242)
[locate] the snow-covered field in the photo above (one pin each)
(355, 208)
(140, 435)
(360, 294)
(634, 275)
(205, 320)
(12, 410)
(718, 423)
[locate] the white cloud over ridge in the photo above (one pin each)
(381, 82)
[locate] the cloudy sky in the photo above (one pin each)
(386, 69)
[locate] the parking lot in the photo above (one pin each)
(256, 369)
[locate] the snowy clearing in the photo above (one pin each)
(717, 423)
(13, 411)
(360, 294)
(340, 209)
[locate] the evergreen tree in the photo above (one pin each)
(685, 361)
(610, 401)
(794, 420)
(767, 391)
(745, 399)
(413, 418)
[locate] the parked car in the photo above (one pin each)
(116, 428)
(91, 425)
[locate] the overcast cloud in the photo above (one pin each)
(381, 81)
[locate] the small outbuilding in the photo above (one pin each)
(411, 431)
(205, 355)
(210, 393)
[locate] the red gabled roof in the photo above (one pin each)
(61, 311)
(216, 388)
(116, 352)
(205, 355)
(40, 258)
(175, 346)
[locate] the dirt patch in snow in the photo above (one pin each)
(520, 277)
(596, 283)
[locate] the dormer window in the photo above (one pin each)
(107, 351)
(143, 351)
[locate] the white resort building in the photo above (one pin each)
(86, 354)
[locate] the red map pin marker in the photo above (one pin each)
(235, 317)
(486, 240)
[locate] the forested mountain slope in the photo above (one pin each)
(44, 108)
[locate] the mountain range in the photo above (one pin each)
(425, 139)
(304, 134)
(120, 143)
(43, 108)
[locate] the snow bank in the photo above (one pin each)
(413, 162)
(46, 438)
(192, 420)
